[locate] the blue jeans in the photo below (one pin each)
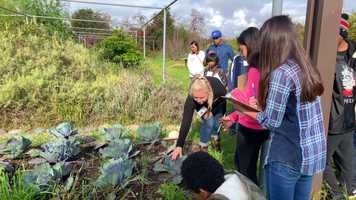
(209, 129)
(286, 183)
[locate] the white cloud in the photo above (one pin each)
(217, 21)
(266, 10)
(230, 16)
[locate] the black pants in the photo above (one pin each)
(354, 163)
(339, 153)
(249, 142)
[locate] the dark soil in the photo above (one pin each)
(87, 169)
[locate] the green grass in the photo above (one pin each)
(175, 70)
(14, 188)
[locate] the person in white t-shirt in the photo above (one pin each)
(195, 60)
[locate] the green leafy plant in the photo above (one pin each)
(117, 131)
(148, 132)
(121, 49)
(44, 176)
(172, 167)
(119, 148)
(15, 146)
(115, 173)
(60, 150)
(218, 155)
(172, 192)
(63, 130)
(15, 188)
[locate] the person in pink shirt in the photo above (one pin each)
(250, 134)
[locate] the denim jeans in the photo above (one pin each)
(286, 183)
(209, 129)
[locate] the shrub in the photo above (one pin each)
(120, 49)
(172, 192)
(46, 81)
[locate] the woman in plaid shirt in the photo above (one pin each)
(289, 93)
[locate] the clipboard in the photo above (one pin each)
(239, 102)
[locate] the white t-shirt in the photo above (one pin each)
(195, 63)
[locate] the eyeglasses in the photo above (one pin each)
(214, 38)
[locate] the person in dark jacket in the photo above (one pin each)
(205, 97)
(342, 117)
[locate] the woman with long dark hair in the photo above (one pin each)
(289, 96)
(250, 134)
(195, 61)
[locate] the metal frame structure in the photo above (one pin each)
(143, 27)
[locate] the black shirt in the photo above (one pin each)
(219, 105)
(342, 116)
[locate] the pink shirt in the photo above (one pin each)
(251, 89)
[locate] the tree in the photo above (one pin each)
(197, 23)
(89, 14)
(352, 30)
(51, 8)
(155, 29)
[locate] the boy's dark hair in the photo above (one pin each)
(211, 57)
(201, 171)
(250, 38)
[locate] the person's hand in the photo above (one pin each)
(252, 101)
(176, 153)
(207, 115)
(226, 122)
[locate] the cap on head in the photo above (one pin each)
(216, 34)
(344, 25)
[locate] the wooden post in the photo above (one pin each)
(321, 32)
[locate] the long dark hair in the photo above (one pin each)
(250, 38)
(195, 44)
(279, 42)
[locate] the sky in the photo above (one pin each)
(229, 16)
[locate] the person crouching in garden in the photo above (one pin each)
(205, 97)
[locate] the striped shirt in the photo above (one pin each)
(297, 133)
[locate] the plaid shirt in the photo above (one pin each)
(297, 131)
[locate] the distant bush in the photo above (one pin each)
(120, 49)
(45, 80)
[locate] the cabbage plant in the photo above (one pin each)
(15, 146)
(119, 148)
(60, 150)
(63, 130)
(115, 173)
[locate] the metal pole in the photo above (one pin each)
(136, 34)
(144, 43)
(277, 7)
(113, 4)
(164, 45)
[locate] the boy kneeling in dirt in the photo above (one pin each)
(205, 177)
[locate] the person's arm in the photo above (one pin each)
(186, 121)
(241, 81)
(276, 102)
(278, 94)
